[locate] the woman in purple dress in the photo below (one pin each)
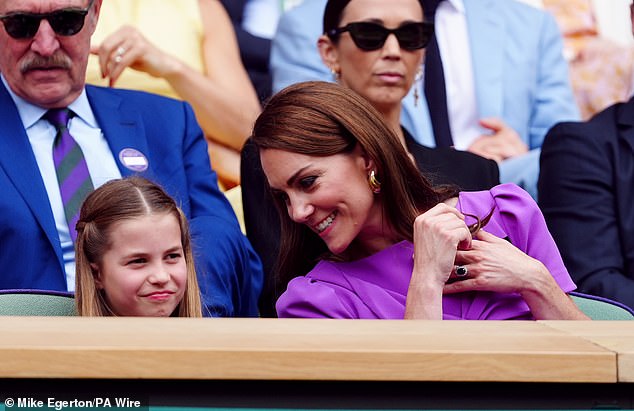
(365, 235)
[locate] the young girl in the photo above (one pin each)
(133, 254)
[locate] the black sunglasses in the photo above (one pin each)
(371, 36)
(65, 22)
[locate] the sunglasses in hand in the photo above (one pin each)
(372, 36)
(64, 22)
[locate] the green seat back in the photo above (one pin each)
(600, 308)
(33, 303)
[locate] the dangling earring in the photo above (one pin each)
(336, 75)
(374, 183)
(417, 79)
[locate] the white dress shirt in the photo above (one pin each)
(453, 42)
(261, 16)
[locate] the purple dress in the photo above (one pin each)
(375, 287)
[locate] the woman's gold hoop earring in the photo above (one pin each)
(374, 183)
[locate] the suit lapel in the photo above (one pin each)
(121, 126)
(18, 162)
(487, 31)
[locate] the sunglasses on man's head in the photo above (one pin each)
(372, 36)
(64, 22)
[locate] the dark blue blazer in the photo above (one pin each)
(586, 192)
(166, 131)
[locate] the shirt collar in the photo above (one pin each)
(31, 113)
(457, 5)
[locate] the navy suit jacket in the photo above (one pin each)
(166, 131)
(586, 191)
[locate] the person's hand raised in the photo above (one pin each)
(127, 47)
(438, 235)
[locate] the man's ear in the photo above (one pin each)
(96, 275)
(329, 54)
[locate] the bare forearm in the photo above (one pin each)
(548, 302)
(424, 302)
(225, 114)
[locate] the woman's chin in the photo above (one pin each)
(338, 248)
(387, 101)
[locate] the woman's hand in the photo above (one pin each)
(438, 234)
(494, 264)
(127, 47)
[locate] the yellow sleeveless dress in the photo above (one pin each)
(174, 26)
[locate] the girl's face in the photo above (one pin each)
(330, 195)
(382, 76)
(144, 272)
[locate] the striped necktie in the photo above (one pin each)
(70, 166)
(435, 91)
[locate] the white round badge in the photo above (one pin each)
(133, 159)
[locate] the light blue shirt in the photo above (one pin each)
(99, 158)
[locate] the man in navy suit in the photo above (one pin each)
(586, 191)
(43, 55)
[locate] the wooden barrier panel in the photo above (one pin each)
(616, 336)
(306, 350)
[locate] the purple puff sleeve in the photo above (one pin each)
(517, 218)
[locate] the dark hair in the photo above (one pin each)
(323, 119)
(333, 13)
(115, 201)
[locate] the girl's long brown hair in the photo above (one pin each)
(115, 201)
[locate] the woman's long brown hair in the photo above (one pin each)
(323, 119)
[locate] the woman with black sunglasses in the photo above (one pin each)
(377, 54)
(376, 48)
